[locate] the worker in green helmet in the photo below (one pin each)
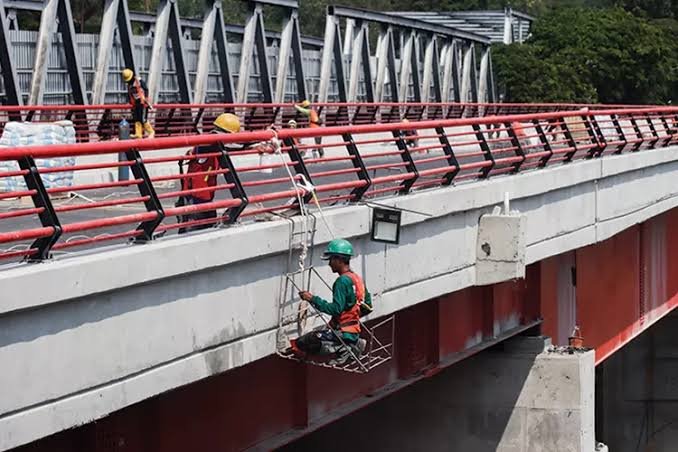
(350, 301)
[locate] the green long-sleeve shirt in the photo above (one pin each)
(343, 299)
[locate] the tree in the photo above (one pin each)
(605, 55)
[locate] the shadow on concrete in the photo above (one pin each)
(468, 407)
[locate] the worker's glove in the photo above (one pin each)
(306, 296)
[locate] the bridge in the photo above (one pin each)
(521, 257)
(510, 226)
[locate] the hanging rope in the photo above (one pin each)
(303, 255)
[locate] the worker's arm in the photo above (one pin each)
(368, 299)
(302, 110)
(343, 298)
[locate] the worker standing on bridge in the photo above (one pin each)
(350, 301)
(306, 109)
(138, 98)
(198, 181)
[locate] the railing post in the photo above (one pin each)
(198, 118)
(639, 134)
(544, 142)
(667, 129)
(451, 158)
(653, 129)
(48, 216)
(146, 189)
(602, 139)
(487, 152)
(570, 141)
(299, 165)
(407, 158)
(515, 142)
(358, 163)
(237, 191)
(596, 136)
(620, 133)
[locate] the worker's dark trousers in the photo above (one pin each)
(312, 342)
(190, 200)
(139, 113)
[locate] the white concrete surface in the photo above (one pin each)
(500, 248)
(87, 335)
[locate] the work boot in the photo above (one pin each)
(295, 350)
(342, 357)
(138, 130)
(360, 346)
(149, 130)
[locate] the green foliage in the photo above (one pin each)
(604, 55)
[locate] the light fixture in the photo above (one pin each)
(386, 225)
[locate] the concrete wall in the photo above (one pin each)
(90, 334)
(520, 401)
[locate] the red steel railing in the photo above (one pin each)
(360, 161)
(100, 122)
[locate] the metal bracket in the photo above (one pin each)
(515, 142)
(653, 129)
(237, 191)
(487, 153)
(639, 134)
(570, 141)
(299, 165)
(451, 158)
(146, 189)
(407, 158)
(620, 133)
(358, 163)
(544, 142)
(48, 216)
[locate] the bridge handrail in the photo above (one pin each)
(361, 161)
(100, 122)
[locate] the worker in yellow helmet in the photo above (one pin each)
(200, 178)
(138, 98)
(306, 109)
(201, 175)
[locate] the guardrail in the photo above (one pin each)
(100, 122)
(360, 161)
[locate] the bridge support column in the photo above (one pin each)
(522, 398)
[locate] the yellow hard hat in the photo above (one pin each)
(127, 74)
(305, 104)
(227, 122)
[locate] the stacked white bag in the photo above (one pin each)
(20, 134)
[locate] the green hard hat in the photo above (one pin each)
(338, 247)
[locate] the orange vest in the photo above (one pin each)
(313, 118)
(518, 129)
(349, 321)
(136, 93)
(200, 165)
